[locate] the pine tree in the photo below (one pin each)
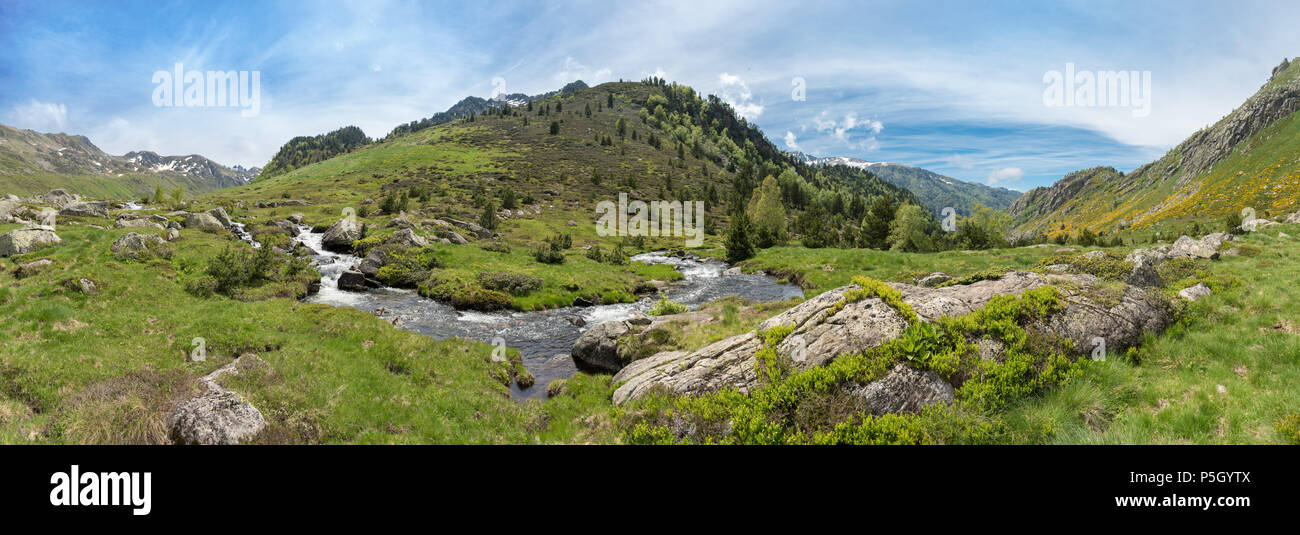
(739, 246)
(489, 218)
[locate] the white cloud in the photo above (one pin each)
(1005, 174)
(41, 116)
(791, 141)
(841, 129)
(574, 70)
(961, 161)
(736, 93)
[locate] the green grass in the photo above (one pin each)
(79, 368)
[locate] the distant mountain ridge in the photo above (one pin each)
(935, 191)
(1246, 160)
(34, 162)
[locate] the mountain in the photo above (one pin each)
(1245, 160)
(32, 163)
(470, 106)
(573, 148)
(305, 150)
(936, 191)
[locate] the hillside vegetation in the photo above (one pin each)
(1247, 160)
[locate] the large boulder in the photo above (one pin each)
(59, 198)
(27, 239)
(1192, 293)
(1186, 247)
(217, 416)
(339, 236)
(355, 281)
(408, 239)
(134, 244)
(1090, 310)
(219, 214)
(85, 209)
(596, 351)
(203, 221)
(1293, 218)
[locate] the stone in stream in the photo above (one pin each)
(339, 236)
(355, 281)
(27, 239)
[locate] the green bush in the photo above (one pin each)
(511, 283)
(666, 307)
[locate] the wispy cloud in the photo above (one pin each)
(41, 116)
(1004, 175)
(736, 93)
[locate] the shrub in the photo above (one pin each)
(495, 247)
(512, 283)
(1288, 427)
(595, 254)
(667, 307)
(233, 268)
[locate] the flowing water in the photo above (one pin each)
(542, 337)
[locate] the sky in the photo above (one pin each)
(960, 88)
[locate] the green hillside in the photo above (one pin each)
(1246, 160)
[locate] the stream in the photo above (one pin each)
(543, 337)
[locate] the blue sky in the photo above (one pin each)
(956, 87)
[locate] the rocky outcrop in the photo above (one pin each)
(27, 239)
(85, 209)
(220, 215)
(217, 416)
(339, 236)
(1088, 313)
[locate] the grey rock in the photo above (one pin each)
(32, 268)
(217, 416)
(904, 391)
(85, 209)
(596, 351)
(59, 198)
(934, 279)
(130, 222)
(203, 221)
(1185, 247)
(1193, 293)
(220, 215)
(339, 236)
(133, 244)
(407, 238)
(868, 323)
(173, 235)
(1144, 273)
(27, 239)
(354, 281)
